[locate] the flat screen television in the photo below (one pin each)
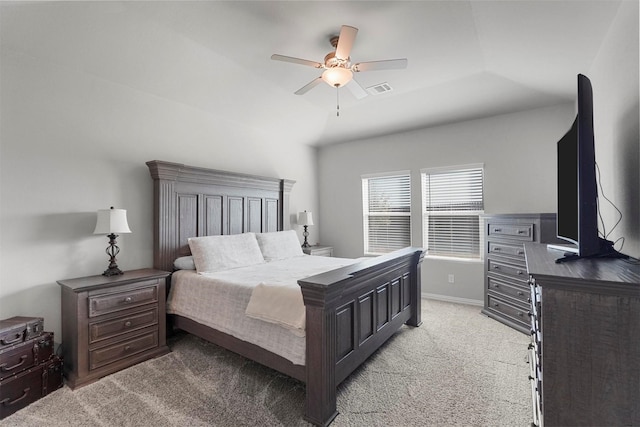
(577, 214)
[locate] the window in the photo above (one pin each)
(451, 206)
(386, 212)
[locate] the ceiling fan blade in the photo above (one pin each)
(356, 90)
(306, 88)
(296, 60)
(388, 64)
(345, 41)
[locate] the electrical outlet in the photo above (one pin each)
(451, 278)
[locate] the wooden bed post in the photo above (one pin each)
(416, 291)
(320, 405)
(285, 195)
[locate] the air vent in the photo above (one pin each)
(379, 88)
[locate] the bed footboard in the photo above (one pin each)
(351, 312)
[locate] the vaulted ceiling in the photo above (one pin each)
(466, 59)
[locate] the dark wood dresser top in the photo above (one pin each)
(99, 281)
(592, 274)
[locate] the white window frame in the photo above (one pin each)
(451, 213)
(366, 210)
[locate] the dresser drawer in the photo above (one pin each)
(121, 350)
(508, 270)
(109, 328)
(505, 249)
(522, 232)
(501, 287)
(109, 303)
(510, 310)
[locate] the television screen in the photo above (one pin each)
(577, 214)
(568, 185)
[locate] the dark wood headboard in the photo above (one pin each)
(191, 202)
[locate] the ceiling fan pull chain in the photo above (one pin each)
(337, 101)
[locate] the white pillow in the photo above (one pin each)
(279, 245)
(219, 253)
(184, 263)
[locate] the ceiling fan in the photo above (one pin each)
(338, 70)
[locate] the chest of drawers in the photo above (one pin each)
(584, 353)
(506, 290)
(110, 323)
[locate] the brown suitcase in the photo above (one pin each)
(20, 328)
(26, 387)
(19, 357)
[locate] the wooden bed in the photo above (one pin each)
(350, 312)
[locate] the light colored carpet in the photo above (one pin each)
(459, 368)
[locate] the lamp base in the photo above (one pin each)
(112, 250)
(305, 244)
(112, 271)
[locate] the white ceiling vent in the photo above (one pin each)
(379, 88)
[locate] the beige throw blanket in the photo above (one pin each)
(281, 304)
(277, 298)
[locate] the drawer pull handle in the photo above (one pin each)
(496, 267)
(521, 231)
(11, 341)
(495, 304)
(496, 249)
(128, 299)
(4, 367)
(127, 324)
(520, 273)
(520, 293)
(520, 252)
(521, 314)
(127, 347)
(495, 285)
(497, 230)
(8, 402)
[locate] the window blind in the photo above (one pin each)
(387, 213)
(453, 200)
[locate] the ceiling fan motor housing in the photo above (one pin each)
(331, 61)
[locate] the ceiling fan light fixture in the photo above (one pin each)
(337, 76)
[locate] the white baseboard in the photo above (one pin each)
(457, 300)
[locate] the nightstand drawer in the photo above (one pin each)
(512, 231)
(109, 328)
(319, 250)
(109, 303)
(105, 355)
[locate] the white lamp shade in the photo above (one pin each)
(305, 218)
(112, 221)
(337, 76)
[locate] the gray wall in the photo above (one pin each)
(614, 76)
(75, 141)
(518, 151)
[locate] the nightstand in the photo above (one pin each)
(318, 250)
(111, 323)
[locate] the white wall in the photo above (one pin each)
(73, 142)
(518, 152)
(614, 76)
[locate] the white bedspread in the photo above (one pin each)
(219, 300)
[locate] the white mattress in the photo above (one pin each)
(219, 300)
